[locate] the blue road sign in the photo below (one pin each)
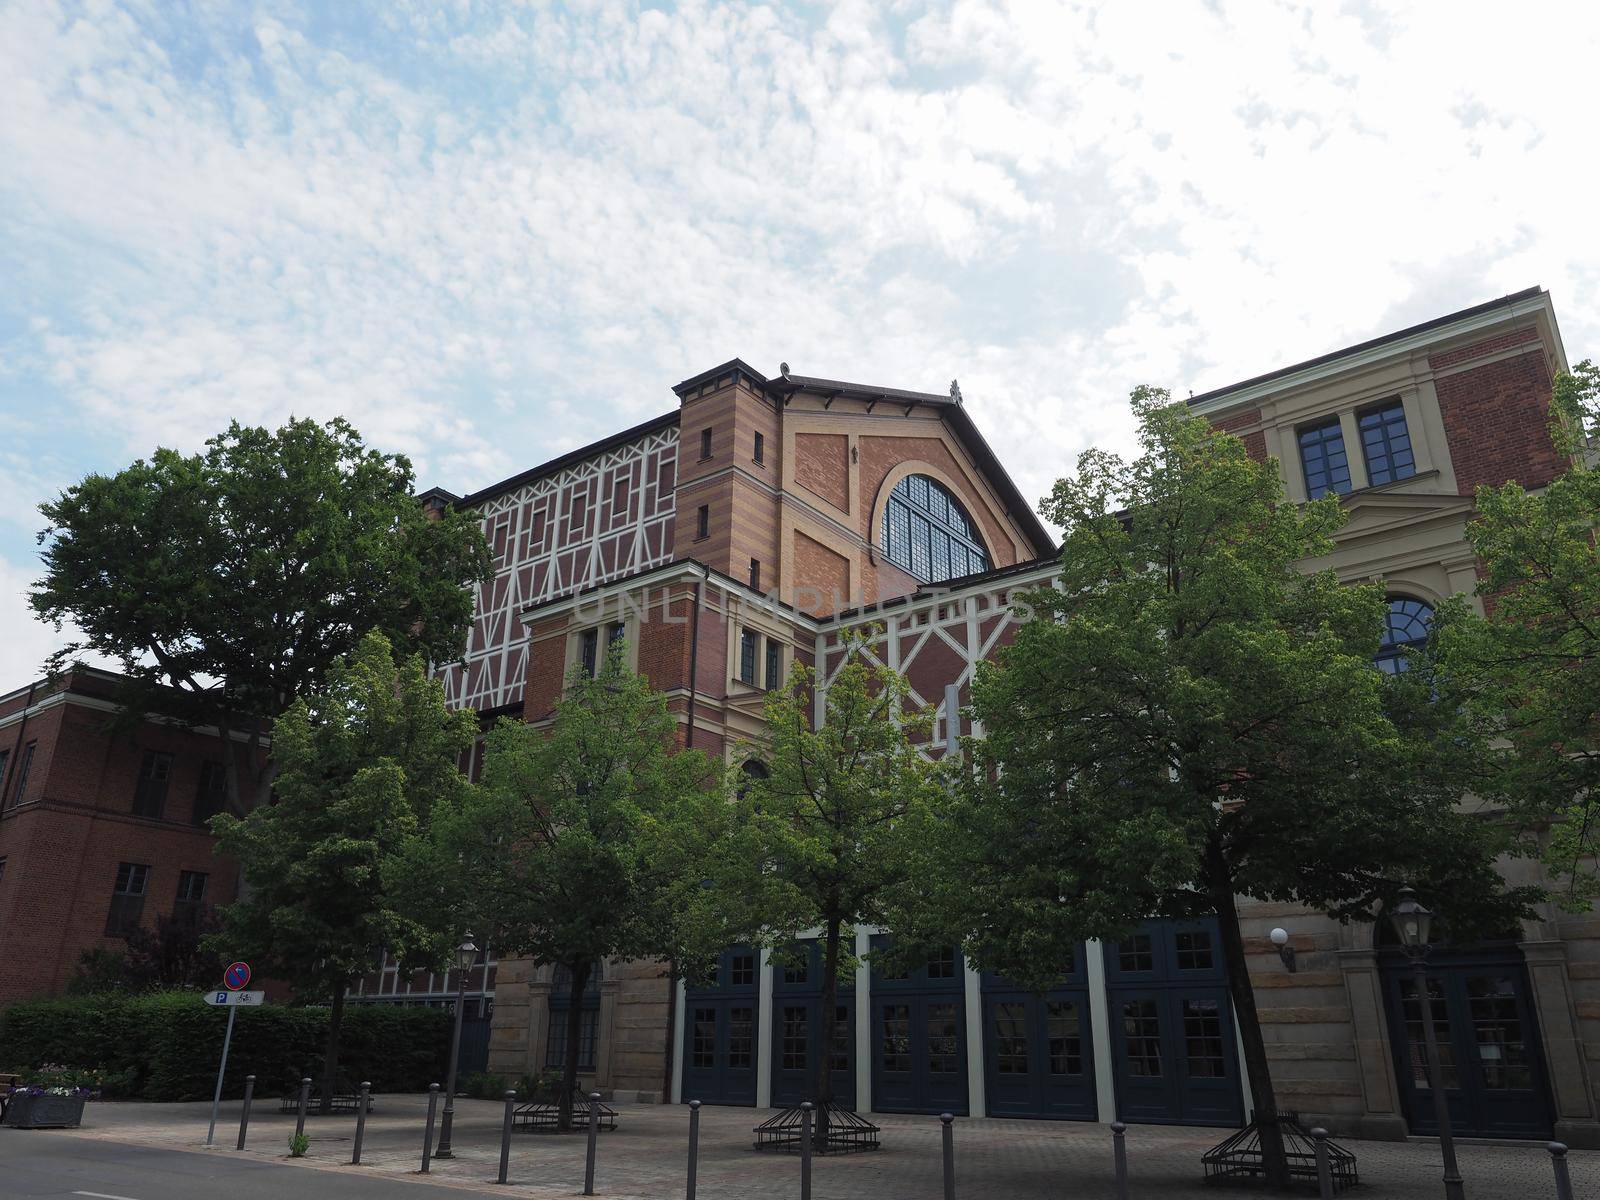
(236, 976)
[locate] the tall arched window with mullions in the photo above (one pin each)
(927, 533)
(1406, 625)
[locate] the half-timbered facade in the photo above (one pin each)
(803, 510)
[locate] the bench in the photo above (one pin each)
(345, 1098)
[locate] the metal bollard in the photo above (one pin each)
(1319, 1140)
(1558, 1160)
(305, 1097)
(362, 1100)
(505, 1137)
(1120, 1152)
(594, 1133)
(694, 1147)
(427, 1137)
(244, 1115)
(949, 1155)
(805, 1151)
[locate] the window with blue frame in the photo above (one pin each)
(589, 1019)
(1406, 625)
(1386, 442)
(927, 533)
(1323, 458)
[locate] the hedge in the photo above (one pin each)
(165, 1046)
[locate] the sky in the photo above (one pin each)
(489, 233)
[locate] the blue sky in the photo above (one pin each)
(488, 233)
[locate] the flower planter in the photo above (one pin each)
(44, 1112)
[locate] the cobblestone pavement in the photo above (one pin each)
(645, 1157)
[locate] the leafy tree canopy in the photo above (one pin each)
(827, 837)
(1191, 714)
(1532, 667)
(237, 576)
(362, 767)
(585, 841)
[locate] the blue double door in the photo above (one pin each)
(797, 1043)
(1038, 1049)
(1491, 1061)
(720, 1031)
(1174, 1050)
(919, 1036)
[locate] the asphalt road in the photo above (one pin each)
(42, 1163)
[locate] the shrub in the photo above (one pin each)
(299, 1143)
(165, 1046)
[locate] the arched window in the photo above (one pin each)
(751, 768)
(1407, 624)
(928, 534)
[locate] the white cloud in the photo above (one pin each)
(487, 236)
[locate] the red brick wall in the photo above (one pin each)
(1496, 419)
(1255, 443)
(63, 844)
(821, 577)
(547, 665)
(821, 466)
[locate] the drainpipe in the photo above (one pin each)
(688, 744)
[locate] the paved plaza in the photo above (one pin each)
(645, 1157)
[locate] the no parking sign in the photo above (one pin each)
(236, 976)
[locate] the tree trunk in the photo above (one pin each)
(830, 1002)
(1273, 1161)
(569, 1069)
(330, 1060)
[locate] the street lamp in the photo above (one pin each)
(1413, 923)
(466, 955)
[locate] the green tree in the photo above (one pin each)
(227, 582)
(827, 836)
(1532, 667)
(361, 769)
(1190, 716)
(584, 841)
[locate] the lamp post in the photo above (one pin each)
(1413, 923)
(466, 955)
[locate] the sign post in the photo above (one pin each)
(234, 978)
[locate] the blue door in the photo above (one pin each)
(919, 1062)
(1174, 1053)
(797, 1032)
(719, 1033)
(1490, 1057)
(1038, 1051)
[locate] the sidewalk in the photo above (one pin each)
(645, 1158)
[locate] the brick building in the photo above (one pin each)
(100, 827)
(767, 516)
(764, 517)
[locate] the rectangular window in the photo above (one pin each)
(1136, 954)
(944, 1040)
(619, 498)
(702, 522)
(212, 796)
(1322, 455)
(588, 1038)
(896, 1038)
(843, 1042)
(761, 449)
(742, 970)
(795, 1035)
(615, 632)
(150, 794)
(127, 899)
(741, 1038)
(576, 514)
(774, 664)
(943, 964)
(536, 533)
(1202, 1037)
(1386, 442)
(589, 652)
(5, 758)
(703, 1044)
(191, 898)
(1011, 1039)
(1141, 1028)
(1194, 950)
(705, 444)
(2, 869)
(755, 574)
(748, 642)
(1065, 1043)
(24, 766)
